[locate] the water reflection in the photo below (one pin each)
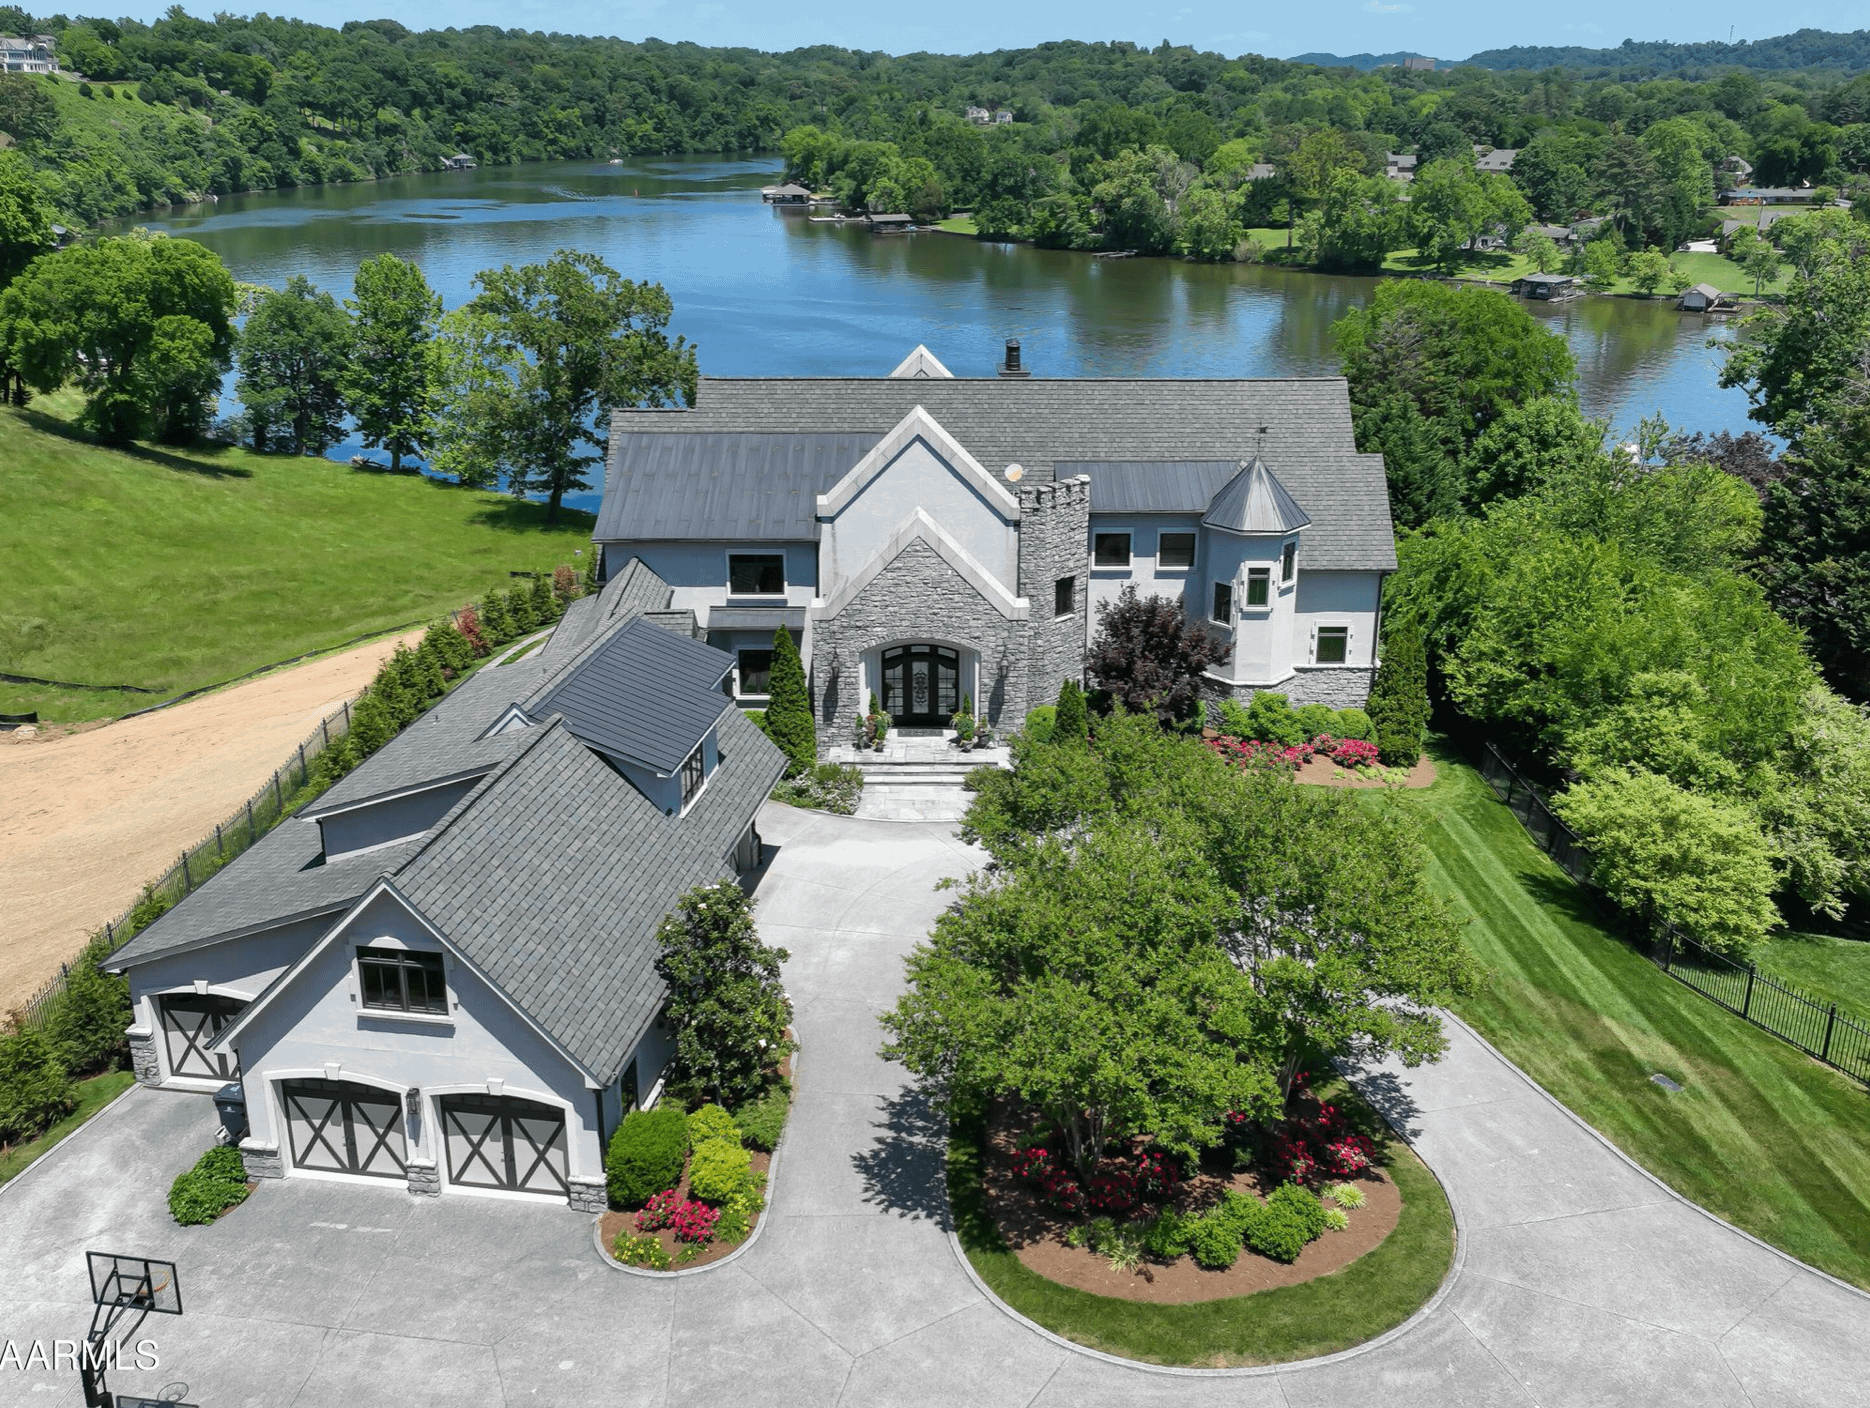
(765, 291)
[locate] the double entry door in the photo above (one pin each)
(921, 685)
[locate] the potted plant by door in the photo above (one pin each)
(875, 724)
(963, 724)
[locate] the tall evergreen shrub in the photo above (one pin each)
(87, 1028)
(789, 707)
(1070, 723)
(1398, 705)
(35, 1092)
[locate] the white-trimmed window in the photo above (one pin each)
(1110, 549)
(1332, 645)
(1224, 603)
(402, 980)
(1175, 550)
(756, 574)
(1259, 585)
(755, 668)
(691, 776)
(1288, 562)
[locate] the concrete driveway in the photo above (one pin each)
(1583, 1282)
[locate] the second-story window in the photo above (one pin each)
(397, 980)
(691, 776)
(1110, 550)
(1064, 596)
(1288, 562)
(1175, 550)
(756, 574)
(1259, 581)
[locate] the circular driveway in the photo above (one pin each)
(1583, 1281)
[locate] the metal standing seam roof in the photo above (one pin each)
(1254, 501)
(1053, 428)
(644, 695)
(738, 486)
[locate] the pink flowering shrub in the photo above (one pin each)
(657, 1212)
(1324, 1145)
(1032, 1165)
(1249, 753)
(692, 1221)
(1354, 753)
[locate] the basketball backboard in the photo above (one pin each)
(134, 1283)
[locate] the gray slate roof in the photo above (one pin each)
(551, 876)
(642, 694)
(1051, 427)
(633, 589)
(1253, 501)
(739, 486)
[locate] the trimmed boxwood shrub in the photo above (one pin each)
(1306, 1209)
(1315, 719)
(1041, 722)
(646, 1155)
(217, 1182)
(1276, 1232)
(1353, 723)
(719, 1171)
(711, 1122)
(1215, 1240)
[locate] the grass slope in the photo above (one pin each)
(1830, 969)
(1373, 1294)
(173, 569)
(93, 1095)
(1762, 1136)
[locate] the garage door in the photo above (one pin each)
(190, 1023)
(497, 1141)
(338, 1126)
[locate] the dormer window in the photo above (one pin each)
(1288, 562)
(691, 776)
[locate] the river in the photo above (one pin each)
(765, 291)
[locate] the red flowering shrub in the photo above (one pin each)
(1355, 753)
(1308, 1148)
(1113, 1190)
(694, 1222)
(1157, 1176)
(1063, 1191)
(1248, 753)
(1032, 1165)
(658, 1212)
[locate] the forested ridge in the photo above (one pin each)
(147, 115)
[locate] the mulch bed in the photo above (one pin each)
(1323, 772)
(1036, 1233)
(615, 1224)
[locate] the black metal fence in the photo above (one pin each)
(1838, 1037)
(258, 815)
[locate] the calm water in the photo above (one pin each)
(768, 292)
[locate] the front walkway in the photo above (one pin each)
(1584, 1282)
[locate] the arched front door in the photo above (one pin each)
(921, 685)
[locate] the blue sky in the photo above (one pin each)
(1445, 28)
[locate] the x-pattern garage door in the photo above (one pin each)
(341, 1127)
(502, 1142)
(190, 1023)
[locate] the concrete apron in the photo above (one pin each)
(1583, 1280)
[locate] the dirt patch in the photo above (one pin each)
(1036, 1233)
(615, 1224)
(94, 813)
(1322, 772)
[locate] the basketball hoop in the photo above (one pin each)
(124, 1290)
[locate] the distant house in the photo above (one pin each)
(460, 161)
(1262, 171)
(1399, 166)
(1419, 65)
(35, 53)
(1557, 234)
(1762, 222)
(788, 194)
(1764, 195)
(1739, 168)
(1703, 298)
(1582, 230)
(1498, 160)
(891, 224)
(1003, 115)
(1546, 286)
(977, 115)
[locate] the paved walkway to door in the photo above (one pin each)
(1584, 1282)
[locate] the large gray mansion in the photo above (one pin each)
(931, 538)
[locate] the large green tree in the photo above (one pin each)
(727, 1009)
(143, 324)
(26, 218)
(294, 362)
(390, 381)
(548, 351)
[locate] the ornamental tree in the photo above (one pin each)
(789, 720)
(1089, 981)
(726, 1006)
(1398, 704)
(1151, 657)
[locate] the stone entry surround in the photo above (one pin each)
(1581, 1281)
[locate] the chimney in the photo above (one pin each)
(1011, 366)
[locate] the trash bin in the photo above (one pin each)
(230, 1103)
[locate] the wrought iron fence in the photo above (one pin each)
(1839, 1038)
(258, 815)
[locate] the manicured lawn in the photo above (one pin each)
(1761, 1135)
(1503, 266)
(1373, 1294)
(172, 569)
(958, 225)
(93, 1095)
(1830, 969)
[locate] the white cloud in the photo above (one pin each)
(1377, 7)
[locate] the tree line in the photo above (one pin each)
(528, 369)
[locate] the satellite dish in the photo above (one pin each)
(1014, 474)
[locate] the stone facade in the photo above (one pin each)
(424, 1178)
(261, 1160)
(587, 1195)
(1054, 530)
(143, 1057)
(916, 596)
(1340, 686)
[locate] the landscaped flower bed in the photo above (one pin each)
(1274, 1208)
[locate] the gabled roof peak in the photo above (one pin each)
(1254, 501)
(921, 364)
